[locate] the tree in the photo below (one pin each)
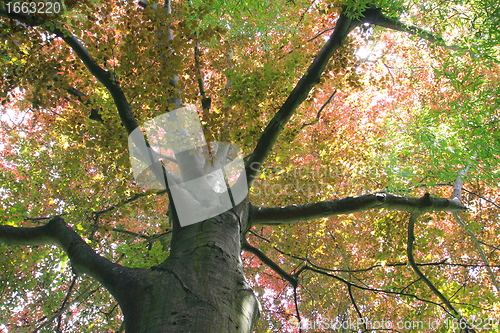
(400, 100)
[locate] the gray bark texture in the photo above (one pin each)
(201, 286)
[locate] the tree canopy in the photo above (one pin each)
(358, 120)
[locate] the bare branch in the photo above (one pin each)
(477, 245)
(205, 101)
(296, 303)
(319, 34)
(65, 301)
(129, 200)
(490, 246)
(457, 188)
(298, 213)
(481, 197)
(353, 301)
(36, 236)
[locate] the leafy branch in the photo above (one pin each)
(443, 262)
(345, 24)
(108, 79)
(102, 75)
(66, 305)
(309, 265)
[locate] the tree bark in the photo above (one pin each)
(201, 286)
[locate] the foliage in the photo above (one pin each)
(408, 115)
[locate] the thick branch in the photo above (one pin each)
(99, 73)
(457, 188)
(36, 236)
(296, 97)
(375, 16)
(298, 213)
(83, 258)
(205, 101)
(94, 112)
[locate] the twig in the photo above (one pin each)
(63, 308)
(318, 115)
(65, 301)
(129, 200)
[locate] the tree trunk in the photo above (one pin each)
(201, 287)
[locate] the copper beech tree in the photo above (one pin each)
(370, 135)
